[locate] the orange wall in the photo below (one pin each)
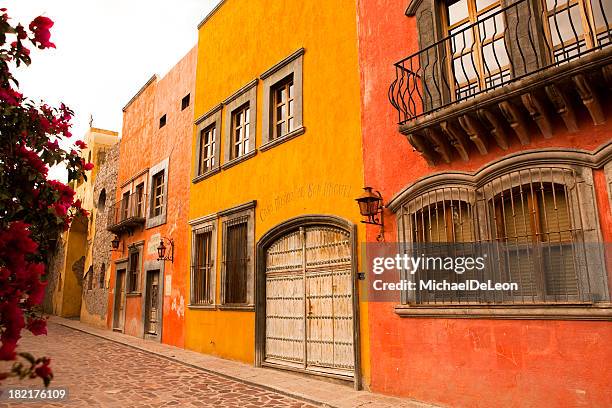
(467, 362)
(144, 145)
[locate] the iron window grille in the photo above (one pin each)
(528, 223)
(203, 267)
(236, 260)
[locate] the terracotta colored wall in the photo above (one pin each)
(455, 361)
(319, 172)
(144, 145)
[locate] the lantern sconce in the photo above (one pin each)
(161, 250)
(115, 244)
(371, 206)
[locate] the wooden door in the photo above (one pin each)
(119, 309)
(152, 307)
(309, 301)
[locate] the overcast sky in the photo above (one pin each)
(106, 50)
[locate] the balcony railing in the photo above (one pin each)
(506, 45)
(127, 213)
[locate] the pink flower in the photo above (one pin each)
(81, 144)
(40, 27)
(37, 326)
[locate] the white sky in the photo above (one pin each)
(106, 51)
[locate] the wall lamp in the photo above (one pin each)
(115, 244)
(161, 250)
(371, 207)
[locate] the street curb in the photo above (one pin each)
(207, 370)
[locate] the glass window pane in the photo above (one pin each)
(492, 26)
(561, 25)
(482, 4)
(290, 113)
(495, 56)
(464, 70)
(291, 90)
(461, 41)
(247, 115)
(457, 11)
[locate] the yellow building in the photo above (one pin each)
(73, 257)
(277, 165)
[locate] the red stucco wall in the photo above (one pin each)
(461, 362)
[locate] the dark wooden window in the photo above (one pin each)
(139, 212)
(208, 141)
(203, 268)
(125, 205)
(158, 194)
(134, 272)
(283, 107)
(241, 138)
(185, 101)
(236, 261)
(162, 121)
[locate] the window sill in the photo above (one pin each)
(202, 307)
(206, 175)
(133, 294)
(520, 312)
(293, 134)
(240, 159)
(246, 308)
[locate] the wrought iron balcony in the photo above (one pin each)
(489, 77)
(127, 213)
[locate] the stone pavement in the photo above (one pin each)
(140, 373)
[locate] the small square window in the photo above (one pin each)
(162, 121)
(185, 101)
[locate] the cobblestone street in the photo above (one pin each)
(101, 373)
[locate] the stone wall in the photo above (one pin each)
(94, 306)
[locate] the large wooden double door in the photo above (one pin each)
(309, 319)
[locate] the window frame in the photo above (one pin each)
(135, 249)
(583, 208)
(210, 118)
(245, 95)
(240, 121)
(291, 66)
(159, 219)
(203, 225)
(227, 218)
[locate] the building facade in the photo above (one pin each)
(73, 256)
(275, 171)
(504, 146)
(95, 284)
(147, 294)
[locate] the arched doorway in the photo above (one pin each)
(307, 309)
